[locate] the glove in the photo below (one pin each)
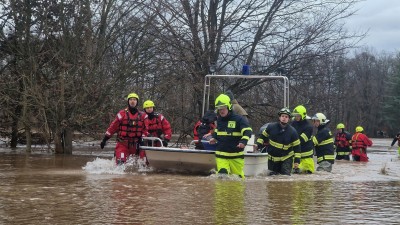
(165, 142)
(103, 142)
(260, 147)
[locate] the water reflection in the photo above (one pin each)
(87, 189)
(229, 202)
(304, 197)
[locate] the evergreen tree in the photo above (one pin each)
(392, 99)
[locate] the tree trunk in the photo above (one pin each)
(58, 142)
(14, 127)
(67, 141)
(28, 139)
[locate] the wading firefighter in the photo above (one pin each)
(323, 142)
(342, 143)
(130, 124)
(359, 143)
(284, 144)
(304, 130)
(231, 136)
(158, 125)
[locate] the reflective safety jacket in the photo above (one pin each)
(284, 142)
(343, 143)
(304, 130)
(323, 142)
(231, 130)
(360, 141)
(130, 127)
(159, 125)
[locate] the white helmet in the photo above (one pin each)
(321, 117)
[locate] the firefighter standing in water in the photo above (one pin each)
(323, 142)
(305, 131)
(342, 143)
(359, 143)
(131, 125)
(230, 136)
(396, 139)
(158, 125)
(284, 144)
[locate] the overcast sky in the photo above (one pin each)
(382, 18)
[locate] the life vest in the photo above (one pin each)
(357, 143)
(131, 125)
(155, 125)
(195, 133)
(341, 140)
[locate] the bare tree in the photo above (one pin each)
(69, 63)
(269, 35)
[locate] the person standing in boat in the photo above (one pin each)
(131, 125)
(323, 142)
(158, 125)
(342, 143)
(236, 107)
(304, 130)
(230, 136)
(284, 144)
(203, 129)
(359, 143)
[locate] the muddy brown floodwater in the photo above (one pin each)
(86, 188)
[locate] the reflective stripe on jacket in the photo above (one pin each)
(231, 130)
(305, 130)
(323, 142)
(284, 142)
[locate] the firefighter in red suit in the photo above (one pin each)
(130, 124)
(359, 143)
(158, 125)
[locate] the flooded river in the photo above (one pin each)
(86, 188)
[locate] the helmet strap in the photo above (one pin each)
(133, 110)
(283, 124)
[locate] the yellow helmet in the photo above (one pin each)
(223, 100)
(132, 95)
(301, 111)
(321, 117)
(148, 104)
(340, 126)
(359, 129)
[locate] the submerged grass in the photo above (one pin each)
(383, 170)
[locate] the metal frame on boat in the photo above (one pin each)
(203, 161)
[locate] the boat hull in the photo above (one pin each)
(198, 161)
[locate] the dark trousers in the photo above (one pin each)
(281, 167)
